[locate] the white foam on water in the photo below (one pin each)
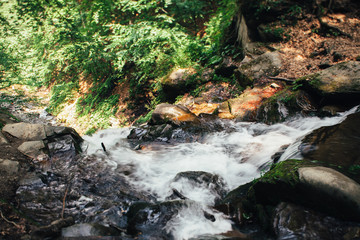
(236, 156)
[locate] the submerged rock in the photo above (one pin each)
(9, 167)
(150, 220)
(3, 139)
(198, 179)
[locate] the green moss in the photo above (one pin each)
(285, 171)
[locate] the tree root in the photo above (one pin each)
(8, 221)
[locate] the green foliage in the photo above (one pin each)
(285, 171)
(60, 43)
(60, 94)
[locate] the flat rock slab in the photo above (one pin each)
(341, 78)
(26, 131)
(32, 148)
(333, 183)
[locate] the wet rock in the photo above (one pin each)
(174, 114)
(236, 205)
(337, 84)
(26, 131)
(295, 222)
(32, 149)
(284, 105)
(9, 167)
(268, 64)
(151, 219)
(338, 144)
(87, 189)
(202, 180)
(88, 230)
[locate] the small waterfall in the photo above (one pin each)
(237, 155)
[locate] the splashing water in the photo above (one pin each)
(237, 155)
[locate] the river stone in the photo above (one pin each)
(32, 148)
(10, 167)
(333, 183)
(26, 131)
(3, 139)
(175, 114)
(338, 144)
(268, 64)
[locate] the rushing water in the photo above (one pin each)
(238, 154)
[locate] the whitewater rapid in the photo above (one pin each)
(238, 154)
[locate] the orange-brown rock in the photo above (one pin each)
(245, 106)
(176, 114)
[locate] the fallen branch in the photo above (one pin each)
(281, 79)
(8, 221)
(64, 200)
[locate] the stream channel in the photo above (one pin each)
(237, 155)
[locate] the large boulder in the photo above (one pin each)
(310, 185)
(173, 114)
(338, 144)
(337, 84)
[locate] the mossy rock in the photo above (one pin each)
(286, 104)
(337, 84)
(311, 184)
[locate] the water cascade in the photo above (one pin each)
(237, 155)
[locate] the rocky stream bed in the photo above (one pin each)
(183, 176)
